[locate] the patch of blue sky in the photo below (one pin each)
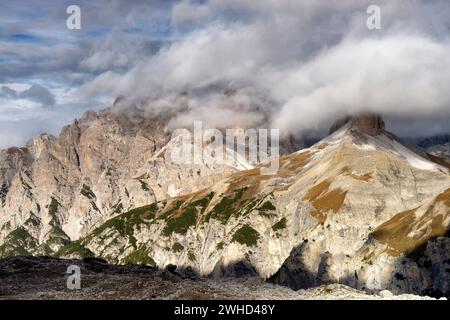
(96, 33)
(132, 30)
(22, 37)
(30, 38)
(6, 58)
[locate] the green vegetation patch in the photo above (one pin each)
(227, 207)
(180, 223)
(191, 256)
(279, 225)
(177, 247)
(203, 203)
(124, 223)
(223, 210)
(75, 248)
(19, 234)
(220, 245)
(266, 209)
(57, 237)
(267, 206)
(53, 208)
(140, 256)
(239, 206)
(171, 211)
(246, 235)
(18, 243)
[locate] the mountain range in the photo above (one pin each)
(357, 207)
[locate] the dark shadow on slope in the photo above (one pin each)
(425, 270)
(237, 269)
(294, 274)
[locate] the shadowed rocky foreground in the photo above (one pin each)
(46, 278)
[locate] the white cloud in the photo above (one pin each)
(295, 63)
(188, 12)
(304, 61)
(398, 75)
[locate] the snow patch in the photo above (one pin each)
(365, 147)
(336, 136)
(385, 142)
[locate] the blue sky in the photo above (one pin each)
(38, 53)
(301, 63)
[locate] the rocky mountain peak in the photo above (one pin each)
(370, 123)
(366, 122)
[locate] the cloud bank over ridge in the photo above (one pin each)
(307, 61)
(294, 64)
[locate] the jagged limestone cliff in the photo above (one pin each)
(58, 189)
